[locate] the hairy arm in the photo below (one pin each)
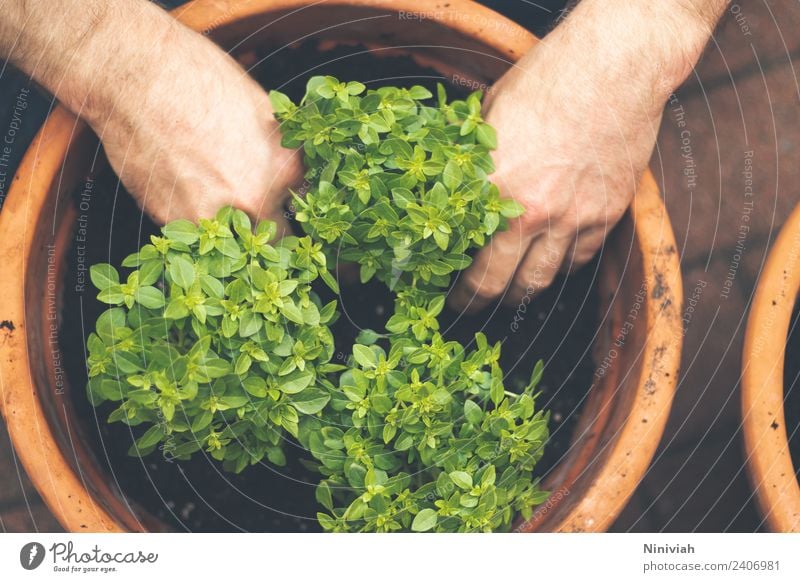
(185, 128)
(577, 120)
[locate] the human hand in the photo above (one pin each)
(576, 120)
(206, 140)
(197, 135)
(182, 124)
(574, 169)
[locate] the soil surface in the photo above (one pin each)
(791, 383)
(558, 326)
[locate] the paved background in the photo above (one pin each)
(743, 103)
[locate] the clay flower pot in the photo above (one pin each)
(639, 337)
(769, 462)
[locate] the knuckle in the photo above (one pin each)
(534, 217)
(530, 286)
(569, 224)
(538, 278)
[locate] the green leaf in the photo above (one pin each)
(472, 412)
(425, 520)
(104, 276)
(228, 247)
(250, 324)
(365, 356)
(111, 295)
(329, 281)
(216, 367)
(150, 297)
(202, 420)
(491, 221)
(229, 402)
(255, 386)
(462, 479)
(186, 449)
(291, 312)
(536, 375)
(442, 239)
(452, 175)
(397, 323)
(212, 287)
(419, 93)
(109, 323)
(280, 102)
(150, 272)
(243, 363)
(151, 437)
(404, 442)
(403, 197)
(310, 400)
(355, 88)
(486, 136)
(367, 337)
(296, 382)
(181, 271)
(182, 231)
(323, 495)
(176, 310)
(497, 392)
(511, 208)
(389, 432)
(311, 315)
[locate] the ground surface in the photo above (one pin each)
(744, 98)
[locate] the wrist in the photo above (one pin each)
(102, 60)
(628, 55)
(655, 44)
(123, 65)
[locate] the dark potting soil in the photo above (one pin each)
(558, 326)
(791, 386)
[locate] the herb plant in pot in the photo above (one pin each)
(230, 351)
(769, 384)
(620, 423)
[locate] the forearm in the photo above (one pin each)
(104, 58)
(622, 50)
(159, 97)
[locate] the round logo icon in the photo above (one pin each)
(31, 555)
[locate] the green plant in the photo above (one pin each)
(416, 432)
(389, 173)
(423, 434)
(234, 353)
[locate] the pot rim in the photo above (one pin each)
(769, 462)
(626, 454)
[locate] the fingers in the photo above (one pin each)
(584, 248)
(283, 228)
(492, 270)
(539, 267)
(261, 211)
(515, 264)
(268, 202)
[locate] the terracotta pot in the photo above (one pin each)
(769, 463)
(639, 338)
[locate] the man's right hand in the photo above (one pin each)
(183, 125)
